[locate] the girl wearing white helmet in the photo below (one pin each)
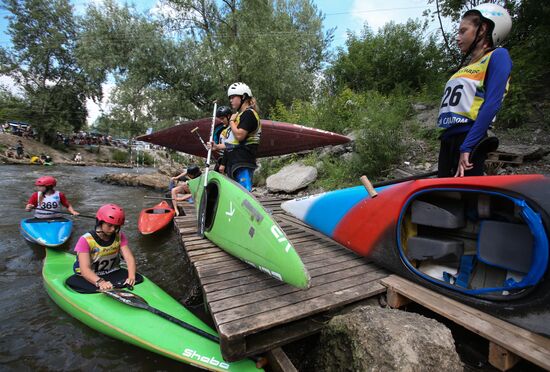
(474, 94)
(242, 144)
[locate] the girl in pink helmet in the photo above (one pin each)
(97, 266)
(47, 202)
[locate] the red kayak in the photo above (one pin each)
(277, 138)
(156, 218)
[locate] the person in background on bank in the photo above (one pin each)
(19, 150)
(474, 94)
(98, 252)
(221, 133)
(191, 172)
(47, 198)
(242, 143)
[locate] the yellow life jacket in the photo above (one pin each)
(104, 258)
(253, 138)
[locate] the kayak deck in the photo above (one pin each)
(254, 312)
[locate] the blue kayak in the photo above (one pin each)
(49, 232)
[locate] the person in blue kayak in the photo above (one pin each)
(242, 142)
(47, 202)
(221, 133)
(97, 265)
(191, 172)
(474, 94)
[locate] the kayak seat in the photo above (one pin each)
(423, 248)
(505, 245)
(159, 211)
(79, 284)
(444, 213)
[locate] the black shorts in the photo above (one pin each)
(449, 154)
(81, 285)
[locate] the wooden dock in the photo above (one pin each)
(254, 313)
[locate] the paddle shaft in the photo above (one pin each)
(200, 138)
(201, 220)
(491, 144)
(61, 212)
(182, 324)
(156, 197)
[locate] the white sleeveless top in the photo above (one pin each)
(52, 202)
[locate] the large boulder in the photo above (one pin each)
(376, 339)
(291, 178)
(154, 181)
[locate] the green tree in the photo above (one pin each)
(159, 80)
(42, 62)
(277, 47)
(399, 56)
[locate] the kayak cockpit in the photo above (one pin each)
(477, 242)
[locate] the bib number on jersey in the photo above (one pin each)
(49, 205)
(104, 266)
(451, 96)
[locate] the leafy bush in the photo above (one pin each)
(119, 156)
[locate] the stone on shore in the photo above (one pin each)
(291, 178)
(376, 339)
(154, 181)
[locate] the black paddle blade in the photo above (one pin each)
(127, 298)
(485, 146)
(201, 219)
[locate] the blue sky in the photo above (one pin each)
(344, 15)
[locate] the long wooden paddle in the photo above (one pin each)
(61, 212)
(200, 138)
(131, 299)
(156, 197)
(405, 179)
(201, 220)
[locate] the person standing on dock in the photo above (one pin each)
(242, 143)
(474, 94)
(221, 133)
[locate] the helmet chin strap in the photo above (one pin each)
(241, 105)
(471, 48)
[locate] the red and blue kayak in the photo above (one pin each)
(155, 218)
(481, 240)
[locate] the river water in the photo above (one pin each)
(35, 334)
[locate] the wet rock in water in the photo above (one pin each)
(377, 339)
(154, 181)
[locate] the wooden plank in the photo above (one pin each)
(279, 362)
(206, 251)
(228, 302)
(501, 358)
(255, 276)
(259, 322)
(528, 345)
(293, 298)
(278, 336)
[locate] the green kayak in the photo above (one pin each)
(236, 222)
(134, 325)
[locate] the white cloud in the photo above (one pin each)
(96, 109)
(8, 83)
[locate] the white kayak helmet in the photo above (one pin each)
(498, 16)
(239, 89)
